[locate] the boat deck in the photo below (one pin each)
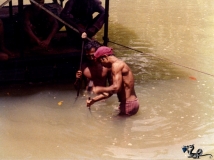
(59, 62)
(40, 68)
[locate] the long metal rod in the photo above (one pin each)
(11, 9)
(80, 68)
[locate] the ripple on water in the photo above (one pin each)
(148, 124)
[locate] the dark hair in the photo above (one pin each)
(92, 44)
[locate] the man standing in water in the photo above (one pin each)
(123, 82)
(91, 70)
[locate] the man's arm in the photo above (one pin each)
(117, 81)
(79, 77)
(28, 26)
(105, 92)
(2, 45)
(97, 98)
(98, 21)
(66, 12)
(54, 28)
(68, 17)
(109, 78)
(103, 95)
(100, 18)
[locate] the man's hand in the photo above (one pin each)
(79, 74)
(89, 102)
(84, 35)
(44, 44)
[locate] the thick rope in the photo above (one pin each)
(164, 59)
(4, 3)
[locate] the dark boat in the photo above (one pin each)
(58, 63)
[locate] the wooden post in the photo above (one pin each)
(105, 38)
(20, 6)
(10, 9)
(20, 10)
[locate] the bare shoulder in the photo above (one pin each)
(118, 65)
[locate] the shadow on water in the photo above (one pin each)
(119, 33)
(27, 89)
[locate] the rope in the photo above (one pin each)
(4, 3)
(59, 19)
(164, 59)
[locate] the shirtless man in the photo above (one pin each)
(39, 26)
(91, 70)
(4, 53)
(123, 82)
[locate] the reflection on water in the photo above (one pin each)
(176, 103)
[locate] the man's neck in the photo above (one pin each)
(112, 59)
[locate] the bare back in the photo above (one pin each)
(122, 75)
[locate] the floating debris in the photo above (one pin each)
(192, 78)
(60, 103)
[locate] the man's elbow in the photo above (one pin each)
(107, 95)
(115, 88)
